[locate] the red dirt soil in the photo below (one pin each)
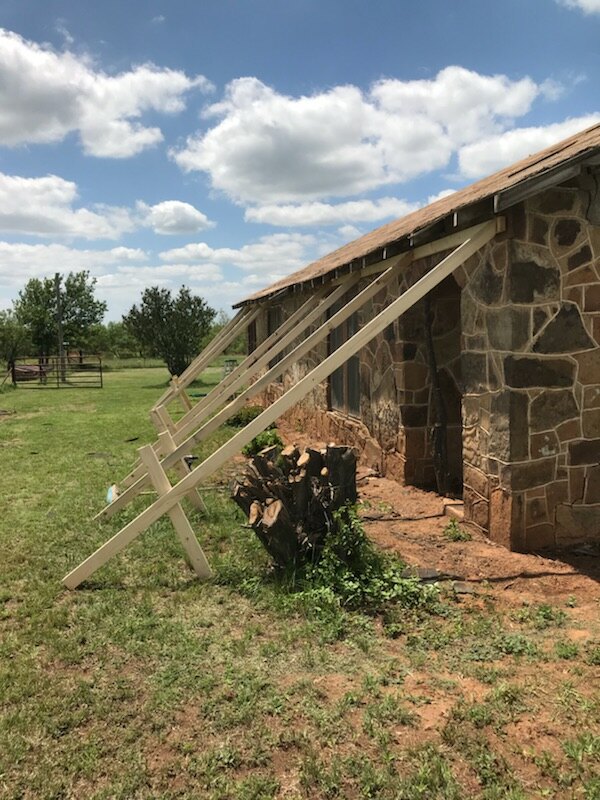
(411, 522)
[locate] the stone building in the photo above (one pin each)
(502, 356)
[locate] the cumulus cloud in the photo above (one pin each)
(45, 95)
(44, 207)
(587, 6)
(19, 262)
(279, 253)
(173, 217)
(134, 277)
(440, 195)
(494, 152)
(266, 147)
(316, 213)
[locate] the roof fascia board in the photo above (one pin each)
(546, 180)
(433, 248)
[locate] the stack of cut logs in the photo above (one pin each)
(289, 497)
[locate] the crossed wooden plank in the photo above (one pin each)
(170, 497)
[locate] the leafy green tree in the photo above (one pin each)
(170, 327)
(120, 342)
(14, 338)
(36, 309)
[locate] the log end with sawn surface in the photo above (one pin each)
(290, 497)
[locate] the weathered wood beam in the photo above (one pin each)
(269, 348)
(214, 348)
(448, 242)
(527, 188)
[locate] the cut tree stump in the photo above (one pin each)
(290, 497)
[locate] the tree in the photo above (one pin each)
(170, 327)
(14, 338)
(37, 309)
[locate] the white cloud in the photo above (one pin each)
(268, 148)
(349, 232)
(61, 28)
(587, 6)
(173, 217)
(494, 152)
(279, 252)
(133, 277)
(19, 262)
(440, 195)
(44, 207)
(316, 213)
(45, 95)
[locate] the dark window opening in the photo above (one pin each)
(344, 383)
(274, 320)
(252, 337)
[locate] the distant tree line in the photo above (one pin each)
(171, 327)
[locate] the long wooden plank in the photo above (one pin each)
(214, 349)
(243, 369)
(180, 522)
(375, 326)
(192, 420)
(196, 435)
(233, 321)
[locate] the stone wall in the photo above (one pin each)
(537, 320)
(517, 343)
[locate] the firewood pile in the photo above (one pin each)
(290, 496)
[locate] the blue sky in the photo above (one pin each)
(225, 143)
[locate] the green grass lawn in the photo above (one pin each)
(146, 683)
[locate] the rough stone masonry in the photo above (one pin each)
(517, 341)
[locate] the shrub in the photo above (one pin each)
(268, 438)
(360, 575)
(245, 415)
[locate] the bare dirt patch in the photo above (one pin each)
(411, 523)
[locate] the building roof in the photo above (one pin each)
(474, 203)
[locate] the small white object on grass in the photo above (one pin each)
(112, 493)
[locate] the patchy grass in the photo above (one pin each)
(145, 683)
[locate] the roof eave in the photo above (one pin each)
(461, 217)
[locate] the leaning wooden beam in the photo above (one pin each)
(301, 322)
(186, 403)
(375, 326)
(180, 522)
(166, 445)
(195, 435)
(213, 349)
(272, 346)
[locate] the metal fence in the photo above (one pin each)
(68, 372)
